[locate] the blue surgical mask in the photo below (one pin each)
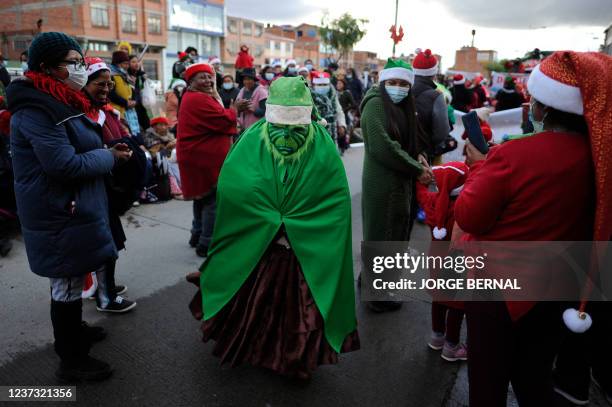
(269, 76)
(322, 90)
(24, 66)
(538, 126)
(292, 70)
(397, 93)
(309, 67)
(228, 85)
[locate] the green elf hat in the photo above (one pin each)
(289, 102)
(397, 69)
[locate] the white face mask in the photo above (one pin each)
(322, 90)
(77, 77)
(269, 76)
(228, 85)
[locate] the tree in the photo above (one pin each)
(342, 33)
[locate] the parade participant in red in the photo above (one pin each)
(244, 60)
(462, 96)
(543, 187)
(205, 130)
(439, 209)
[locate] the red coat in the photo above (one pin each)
(244, 60)
(539, 188)
(204, 137)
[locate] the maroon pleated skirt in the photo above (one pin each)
(273, 321)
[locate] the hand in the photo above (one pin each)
(341, 131)
(121, 152)
(426, 176)
(472, 154)
(131, 104)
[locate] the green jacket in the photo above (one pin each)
(259, 190)
(388, 179)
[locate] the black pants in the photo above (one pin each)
(71, 344)
(503, 352)
(580, 353)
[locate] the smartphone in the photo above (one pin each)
(474, 133)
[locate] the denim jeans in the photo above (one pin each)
(204, 211)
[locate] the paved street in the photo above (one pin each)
(157, 353)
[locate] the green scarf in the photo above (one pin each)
(258, 192)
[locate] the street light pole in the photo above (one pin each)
(395, 25)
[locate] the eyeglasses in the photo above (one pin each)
(76, 64)
(110, 85)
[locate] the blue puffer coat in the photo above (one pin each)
(59, 163)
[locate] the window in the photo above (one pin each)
(232, 26)
(154, 24)
(128, 21)
(290, 48)
(312, 33)
(277, 46)
(271, 45)
(232, 47)
(300, 33)
(258, 50)
(98, 46)
(150, 67)
(258, 30)
(20, 45)
(207, 46)
(247, 28)
(99, 16)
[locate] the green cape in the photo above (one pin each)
(313, 203)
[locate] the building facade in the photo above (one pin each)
(242, 31)
(280, 44)
(471, 59)
(607, 45)
(97, 25)
(193, 23)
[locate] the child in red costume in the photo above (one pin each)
(439, 210)
(243, 60)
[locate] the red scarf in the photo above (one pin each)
(63, 93)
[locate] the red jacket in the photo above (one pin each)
(204, 137)
(539, 188)
(244, 60)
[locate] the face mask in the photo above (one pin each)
(24, 66)
(309, 67)
(322, 90)
(77, 77)
(269, 76)
(292, 70)
(538, 126)
(228, 86)
(349, 76)
(397, 93)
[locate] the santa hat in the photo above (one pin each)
(177, 83)
(159, 120)
(425, 64)
(303, 69)
(95, 64)
(214, 60)
(450, 178)
(458, 79)
(320, 78)
(197, 68)
(277, 63)
(397, 69)
(291, 62)
(182, 55)
(581, 83)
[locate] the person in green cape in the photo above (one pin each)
(277, 288)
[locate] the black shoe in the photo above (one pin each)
(89, 369)
(93, 333)
(193, 242)
(119, 290)
(571, 390)
(384, 306)
(201, 251)
(118, 306)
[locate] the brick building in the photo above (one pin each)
(243, 31)
(97, 25)
(471, 59)
(280, 43)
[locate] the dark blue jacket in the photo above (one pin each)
(59, 163)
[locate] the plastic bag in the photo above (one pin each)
(148, 94)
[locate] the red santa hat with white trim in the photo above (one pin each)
(425, 63)
(95, 64)
(450, 178)
(581, 83)
(320, 78)
(458, 79)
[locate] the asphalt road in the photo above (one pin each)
(157, 353)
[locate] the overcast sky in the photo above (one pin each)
(511, 27)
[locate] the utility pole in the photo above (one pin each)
(395, 25)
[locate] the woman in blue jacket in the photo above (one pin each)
(59, 163)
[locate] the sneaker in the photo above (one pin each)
(577, 393)
(89, 369)
(436, 341)
(454, 353)
(119, 290)
(607, 396)
(93, 333)
(148, 198)
(201, 251)
(193, 241)
(118, 306)
(135, 204)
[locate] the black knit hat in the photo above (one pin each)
(50, 48)
(119, 57)
(249, 73)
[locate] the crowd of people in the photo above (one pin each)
(259, 155)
